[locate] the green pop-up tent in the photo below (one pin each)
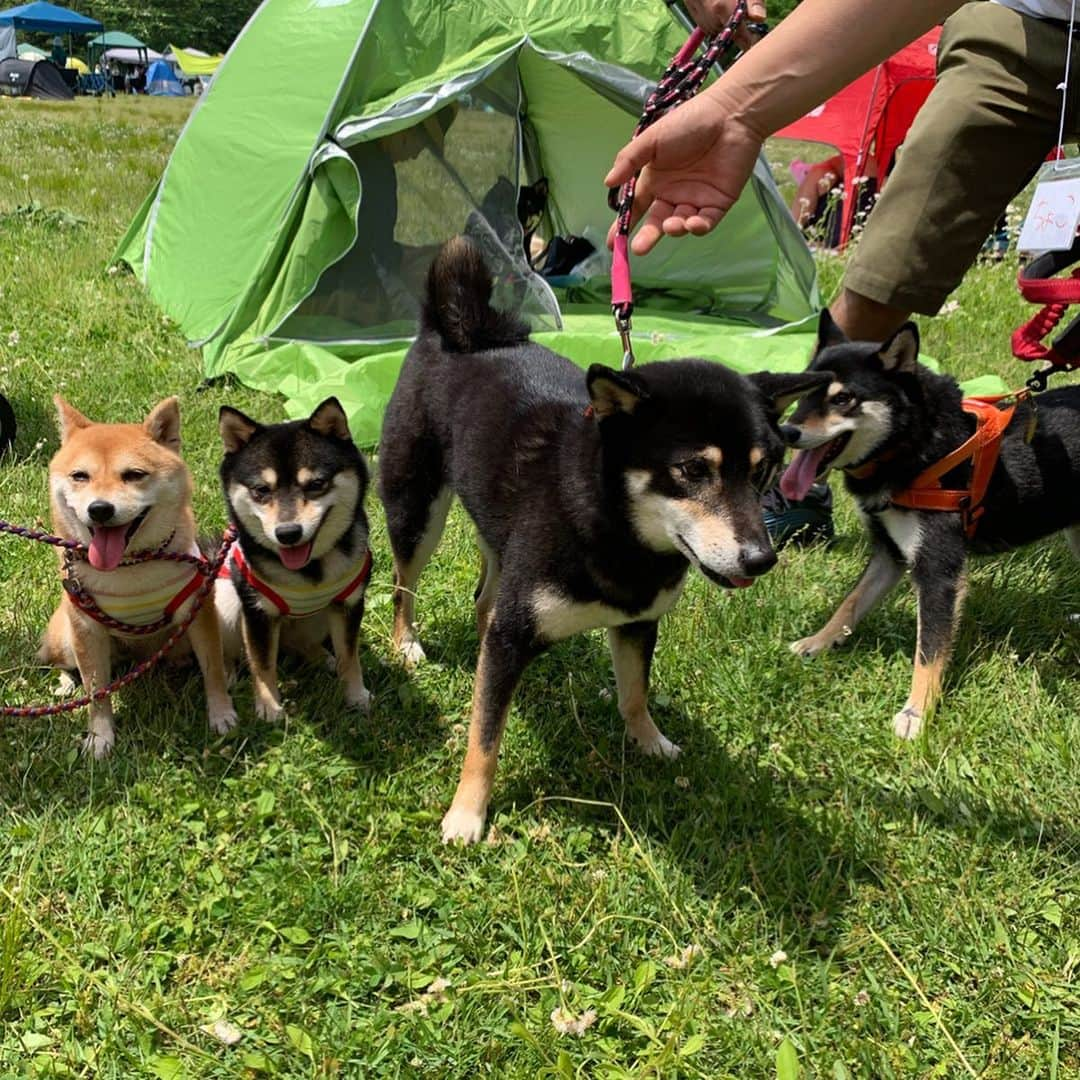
(343, 140)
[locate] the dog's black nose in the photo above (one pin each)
(289, 534)
(100, 511)
(790, 433)
(757, 560)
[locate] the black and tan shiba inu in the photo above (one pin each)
(298, 572)
(883, 418)
(592, 495)
(121, 489)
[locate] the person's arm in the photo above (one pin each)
(697, 159)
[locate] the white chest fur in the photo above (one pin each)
(558, 617)
(904, 529)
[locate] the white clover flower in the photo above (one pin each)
(779, 957)
(684, 959)
(565, 1023)
(13, 338)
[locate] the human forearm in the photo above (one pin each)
(820, 47)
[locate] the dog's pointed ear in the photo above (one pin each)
(828, 333)
(163, 423)
(68, 419)
(780, 389)
(329, 419)
(901, 352)
(612, 391)
(236, 428)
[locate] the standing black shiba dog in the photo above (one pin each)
(591, 495)
(883, 418)
(297, 575)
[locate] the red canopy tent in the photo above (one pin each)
(870, 117)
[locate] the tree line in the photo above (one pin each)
(208, 26)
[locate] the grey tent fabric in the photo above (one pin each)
(7, 42)
(36, 79)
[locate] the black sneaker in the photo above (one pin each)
(808, 521)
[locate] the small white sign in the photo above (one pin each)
(1053, 216)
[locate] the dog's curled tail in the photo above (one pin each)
(457, 305)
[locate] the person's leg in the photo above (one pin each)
(988, 123)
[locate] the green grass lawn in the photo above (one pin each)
(799, 894)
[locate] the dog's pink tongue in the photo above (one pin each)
(799, 476)
(107, 546)
(294, 558)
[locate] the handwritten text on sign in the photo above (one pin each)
(1052, 218)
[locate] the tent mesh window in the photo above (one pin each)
(456, 170)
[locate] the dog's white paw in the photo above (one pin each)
(222, 721)
(65, 686)
(269, 710)
(809, 647)
(98, 745)
(358, 698)
(907, 723)
(328, 661)
(462, 825)
(412, 653)
(659, 746)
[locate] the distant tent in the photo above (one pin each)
(27, 51)
(33, 78)
(121, 47)
(49, 19)
(161, 81)
(870, 117)
(75, 64)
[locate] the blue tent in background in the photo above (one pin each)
(49, 19)
(161, 81)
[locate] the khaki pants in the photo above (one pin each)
(988, 124)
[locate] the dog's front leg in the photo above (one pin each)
(632, 648)
(345, 635)
(93, 655)
(206, 643)
(939, 585)
(503, 657)
(261, 636)
(882, 572)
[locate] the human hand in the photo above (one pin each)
(712, 16)
(694, 162)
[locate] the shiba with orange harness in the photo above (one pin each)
(934, 477)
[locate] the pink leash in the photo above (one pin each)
(680, 82)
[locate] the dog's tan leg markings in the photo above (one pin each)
(206, 643)
(93, 654)
(406, 576)
(939, 617)
(486, 589)
(631, 653)
(348, 662)
(497, 673)
(881, 574)
(264, 672)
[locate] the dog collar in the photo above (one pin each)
(300, 600)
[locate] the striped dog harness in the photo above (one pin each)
(304, 598)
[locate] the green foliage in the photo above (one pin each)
(278, 904)
(208, 26)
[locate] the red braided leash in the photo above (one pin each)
(209, 570)
(680, 82)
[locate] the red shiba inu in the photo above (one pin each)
(121, 489)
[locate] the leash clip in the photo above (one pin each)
(623, 326)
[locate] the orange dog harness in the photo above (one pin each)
(926, 492)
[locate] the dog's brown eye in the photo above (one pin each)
(79, 476)
(841, 399)
(316, 486)
(694, 469)
(260, 492)
(133, 476)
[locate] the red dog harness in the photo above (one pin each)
(982, 449)
(308, 601)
